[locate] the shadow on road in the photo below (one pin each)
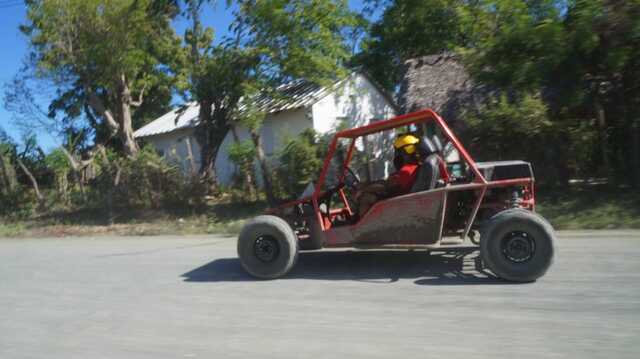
(445, 268)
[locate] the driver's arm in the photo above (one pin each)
(377, 187)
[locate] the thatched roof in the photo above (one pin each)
(439, 82)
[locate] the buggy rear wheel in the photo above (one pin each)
(267, 247)
(517, 245)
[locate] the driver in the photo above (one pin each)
(406, 162)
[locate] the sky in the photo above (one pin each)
(15, 47)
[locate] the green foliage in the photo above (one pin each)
(57, 162)
(16, 201)
(11, 229)
(299, 164)
(298, 39)
(515, 128)
(145, 181)
(589, 206)
(582, 138)
(518, 43)
(109, 183)
(243, 155)
(104, 57)
(17, 204)
(8, 178)
(510, 127)
(585, 60)
(99, 40)
(410, 28)
(241, 152)
(273, 42)
(581, 56)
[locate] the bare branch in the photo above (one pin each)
(98, 106)
(77, 164)
(138, 103)
(116, 179)
(33, 180)
(100, 149)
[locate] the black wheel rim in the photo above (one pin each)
(518, 246)
(266, 248)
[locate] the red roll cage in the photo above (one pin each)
(479, 183)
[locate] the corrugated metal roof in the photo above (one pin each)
(294, 95)
(185, 116)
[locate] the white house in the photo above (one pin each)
(354, 101)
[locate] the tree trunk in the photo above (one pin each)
(126, 134)
(113, 169)
(215, 128)
(635, 154)
(7, 175)
(192, 160)
(77, 167)
(264, 167)
(111, 218)
(34, 183)
(121, 124)
(126, 124)
(604, 138)
(246, 169)
(206, 152)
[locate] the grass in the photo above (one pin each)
(593, 207)
(11, 229)
(587, 207)
(220, 218)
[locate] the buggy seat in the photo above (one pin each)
(432, 172)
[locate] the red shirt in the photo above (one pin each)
(405, 177)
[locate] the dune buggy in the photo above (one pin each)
(491, 204)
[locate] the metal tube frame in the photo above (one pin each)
(425, 116)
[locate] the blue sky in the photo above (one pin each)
(15, 47)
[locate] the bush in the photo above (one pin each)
(242, 154)
(512, 126)
(146, 180)
(299, 163)
(108, 183)
(19, 203)
(517, 127)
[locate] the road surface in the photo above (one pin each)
(173, 297)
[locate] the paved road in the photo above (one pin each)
(169, 297)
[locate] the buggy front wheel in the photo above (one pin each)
(517, 245)
(267, 247)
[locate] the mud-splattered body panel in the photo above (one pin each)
(410, 219)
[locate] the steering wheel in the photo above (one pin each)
(351, 178)
(351, 181)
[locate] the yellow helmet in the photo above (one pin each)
(407, 143)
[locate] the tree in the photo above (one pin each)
(103, 55)
(518, 45)
(8, 179)
(407, 29)
(273, 42)
(600, 73)
(295, 40)
(299, 163)
(214, 76)
(582, 55)
(242, 153)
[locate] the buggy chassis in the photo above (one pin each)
(494, 201)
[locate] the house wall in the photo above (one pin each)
(355, 103)
(277, 128)
(173, 146)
